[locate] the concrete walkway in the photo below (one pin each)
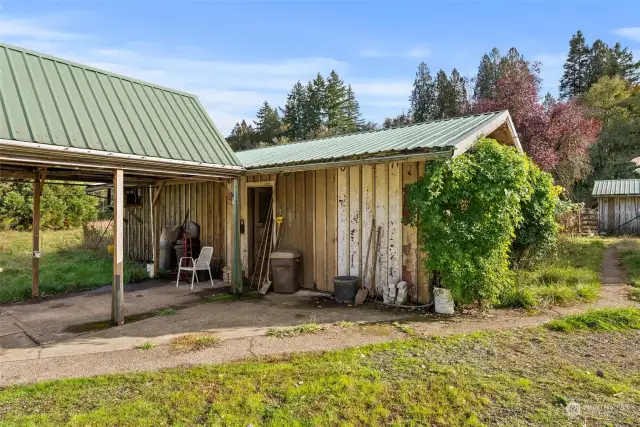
(242, 326)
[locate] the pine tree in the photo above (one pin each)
(598, 65)
(423, 96)
(548, 101)
(460, 97)
(488, 73)
(268, 125)
(621, 64)
(314, 110)
(445, 98)
(294, 113)
(575, 77)
(242, 137)
(402, 119)
(335, 104)
(352, 112)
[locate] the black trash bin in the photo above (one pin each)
(345, 288)
(285, 267)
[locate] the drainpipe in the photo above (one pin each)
(236, 273)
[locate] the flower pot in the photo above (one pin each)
(443, 301)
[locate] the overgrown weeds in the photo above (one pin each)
(195, 342)
(567, 275)
(406, 329)
(619, 319)
(147, 346)
(629, 251)
(292, 331)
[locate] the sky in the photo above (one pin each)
(236, 54)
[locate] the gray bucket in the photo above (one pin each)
(345, 288)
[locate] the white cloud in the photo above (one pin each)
(632, 33)
(412, 53)
(229, 89)
(34, 29)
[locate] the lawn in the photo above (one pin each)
(629, 251)
(64, 267)
(568, 275)
(535, 376)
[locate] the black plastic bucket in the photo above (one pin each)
(345, 288)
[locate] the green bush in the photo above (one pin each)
(537, 232)
(466, 210)
(60, 206)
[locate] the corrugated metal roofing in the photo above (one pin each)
(48, 100)
(617, 187)
(434, 136)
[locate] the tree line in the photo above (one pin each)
(322, 107)
(591, 132)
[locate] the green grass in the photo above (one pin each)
(166, 312)
(147, 346)
(64, 266)
(517, 378)
(629, 251)
(619, 319)
(306, 328)
(406, 329)
(568, 276)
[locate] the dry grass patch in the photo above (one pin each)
(195, 342)
(306, 328)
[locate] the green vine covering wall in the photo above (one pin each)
(467, 210)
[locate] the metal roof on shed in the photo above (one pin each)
(431, 136)
(48, 100)
(617, 187)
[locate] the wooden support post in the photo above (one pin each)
(236, 272)
(38, 182)
(117, 300)
(156, 228)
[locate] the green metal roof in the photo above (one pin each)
(431, 136)
(52, 101)
(617, 187)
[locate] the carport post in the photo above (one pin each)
(117, 297)
(236, 272)
(35, 267)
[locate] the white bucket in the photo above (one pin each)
(151, 270)
(443, 301)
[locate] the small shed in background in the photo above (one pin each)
(618, 206)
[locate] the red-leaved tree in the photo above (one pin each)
(558, 136)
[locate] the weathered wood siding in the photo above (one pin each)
(205, 203)
(328, 216)
(618, 215)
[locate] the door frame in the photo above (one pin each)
(250, 217)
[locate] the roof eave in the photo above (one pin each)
(468, 140)
(45, 154)
(401, 157)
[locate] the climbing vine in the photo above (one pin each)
(467, 210)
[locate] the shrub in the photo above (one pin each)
(537, 232)
(466, 210)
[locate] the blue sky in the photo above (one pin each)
(236, 54)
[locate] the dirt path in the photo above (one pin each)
(113, 357)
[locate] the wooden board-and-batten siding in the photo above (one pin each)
(205, 203)
(328, 216)
(619, 215)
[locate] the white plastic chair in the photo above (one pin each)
(203, 262)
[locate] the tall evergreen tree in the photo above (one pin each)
(314, 109)
(294, 113)
(598, 65)
(576, 68)
(423, 96)
(445, 98)
(268, 124)
(335, 104)
(621, 64)
(459, 91)
(352, 112)
(488, 73)
(401, 119)
(242, 137)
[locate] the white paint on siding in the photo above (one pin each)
(355, 223)
(381, 218)
(395, 223)
(343, 222)
(367, 214)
